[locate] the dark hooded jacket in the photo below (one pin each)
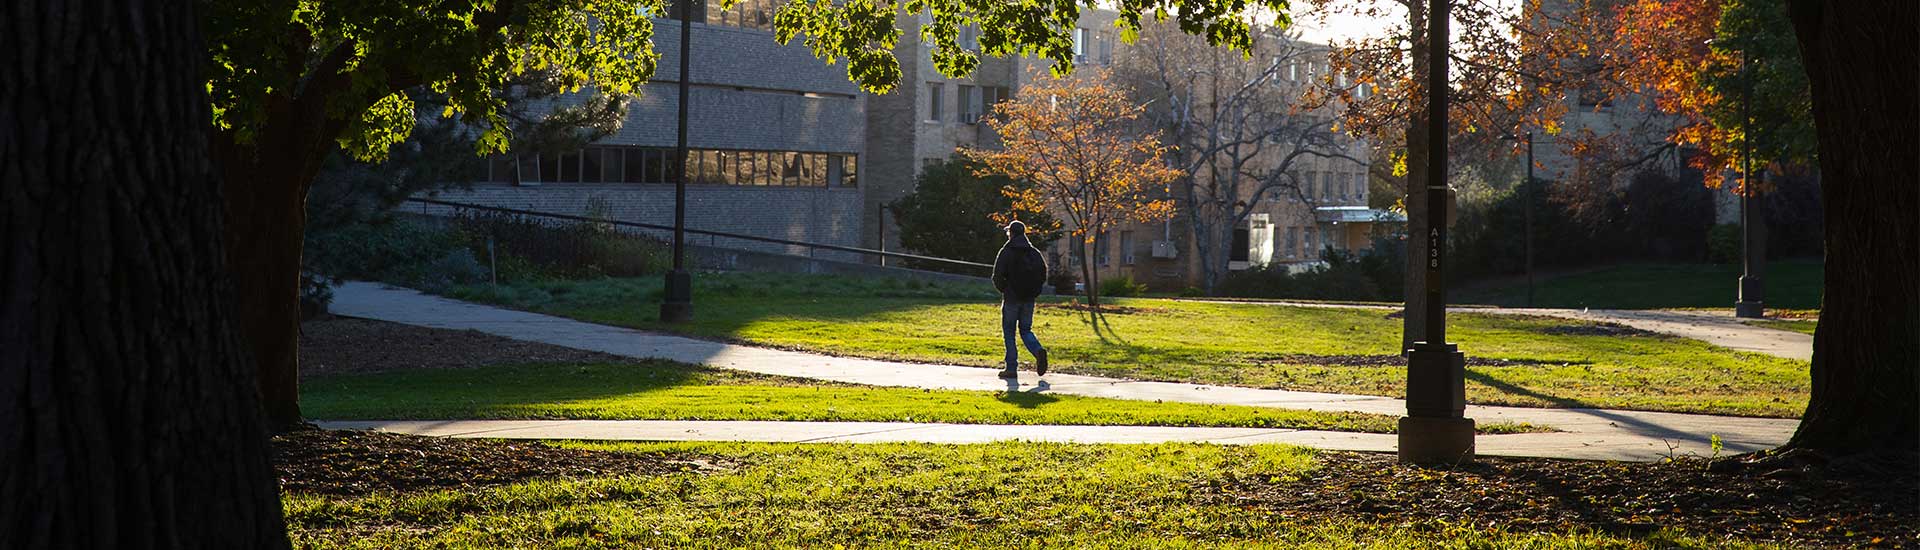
(1020, 272)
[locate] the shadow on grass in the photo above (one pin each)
(1636, 425)
(496, 388)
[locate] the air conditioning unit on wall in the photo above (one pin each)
(1165, 249)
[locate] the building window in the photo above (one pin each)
(1079, 45)
(1100, 249)
(1312, 249)
(1293, 241)
(969, 104)
(1126, 248)
(849, 171)
(970, 37)
(934, 91)
(1242, 245)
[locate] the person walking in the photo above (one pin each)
(1019, 273)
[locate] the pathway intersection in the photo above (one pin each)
(1584, 433)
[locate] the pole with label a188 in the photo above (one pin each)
(1436, 430)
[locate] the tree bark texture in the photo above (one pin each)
(1863, 70)
(128, 414)
(1413, 322)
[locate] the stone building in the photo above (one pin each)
(777, 144)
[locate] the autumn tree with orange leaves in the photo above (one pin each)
(1728, 71)
(1077, 139)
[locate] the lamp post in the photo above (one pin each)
(1752, 236)
(1436, 429)
(677, 307)
(1526, 211)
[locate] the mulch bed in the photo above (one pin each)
(1794, 499)
(1597, 329)
(1105, 309)
(352, 463)
(342, 344)
(1384, 361)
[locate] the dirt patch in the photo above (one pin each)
(347, 462)
(1109, 310)
(1596, 329)
(1800, 503)
(1388, 361)
(343, 344)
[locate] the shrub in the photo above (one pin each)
(1192, 292)
(1062, 280)
(948, 215)
(1344, 277)
(529, 248)
(398, 251)
(1122, 287)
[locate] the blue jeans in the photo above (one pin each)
(1018, 316)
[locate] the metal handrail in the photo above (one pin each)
(820, 246)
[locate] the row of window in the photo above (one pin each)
(1309, 69)
(974, 101)
(1091, 46)
(613, 164)
(1305, 242)
(1323, 186)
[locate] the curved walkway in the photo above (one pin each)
(1717, 328)
(1585, 433)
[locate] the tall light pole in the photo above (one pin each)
(1526, 211)
(1752, 236)
(1436, 429)
(677, 307)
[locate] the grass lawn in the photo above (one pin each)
(1802, 326)
(1014, 495)
(661, 390)
(1792, 284)
(1518, 360)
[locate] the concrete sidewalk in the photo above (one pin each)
(1717, 328)
(1581, 428)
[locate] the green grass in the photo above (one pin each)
(1013, 495)
(660, 390)
(1793, 284)
(1235, 344)
(1802, 326)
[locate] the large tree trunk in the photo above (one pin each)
(128, 415)
(1862, 66)
(1413, 322)
(266, 213)
(265, 183)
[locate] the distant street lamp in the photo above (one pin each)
(1436, 429)
(1752, 235)
(1526, 209)
(677, 307)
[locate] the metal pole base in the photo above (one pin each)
(1436, 441)
(1750, 305)
(678, 305)
(1436, 430)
